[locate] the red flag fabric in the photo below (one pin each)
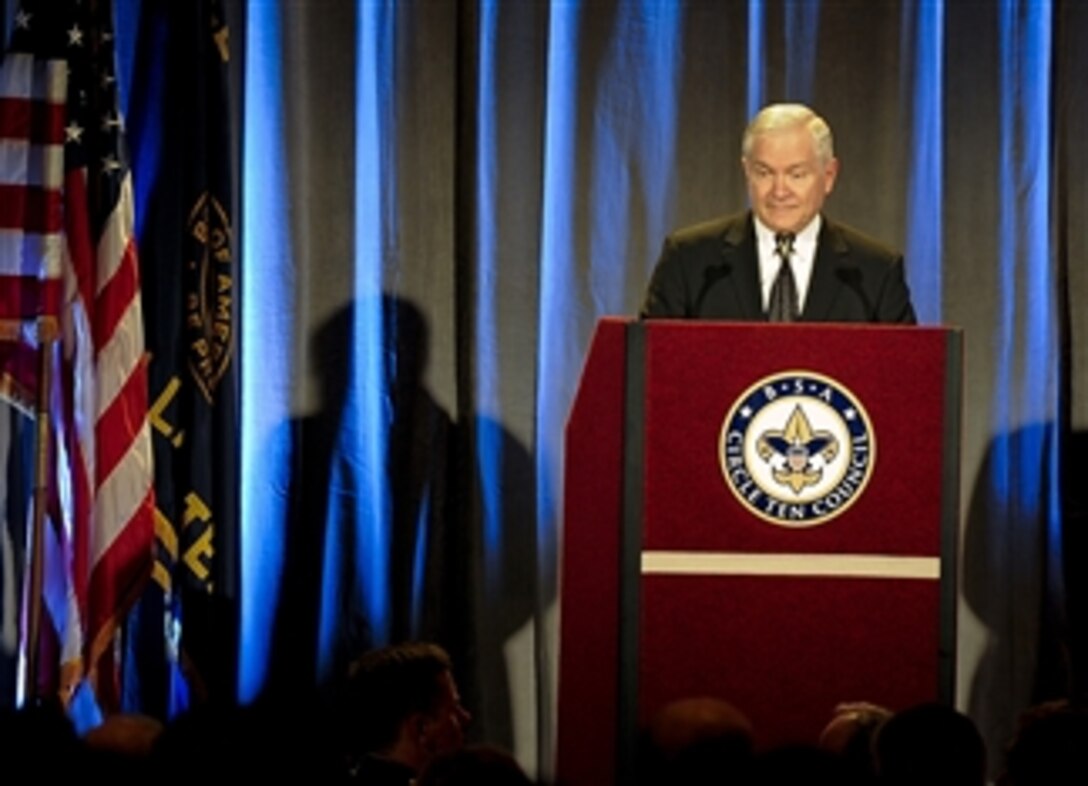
(33, 99)
(67, 249)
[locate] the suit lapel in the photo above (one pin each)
(740, 255)
(828, 274)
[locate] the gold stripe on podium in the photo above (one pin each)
(861, 566)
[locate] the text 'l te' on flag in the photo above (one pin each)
(181, 639)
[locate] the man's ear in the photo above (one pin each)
(831, 172)
(414, 726)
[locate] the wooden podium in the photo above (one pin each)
(763, 513)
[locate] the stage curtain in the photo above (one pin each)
(439, 199)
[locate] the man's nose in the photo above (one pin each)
(781, 185)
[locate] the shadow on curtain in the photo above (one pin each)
(436, 532)
(1012, 581)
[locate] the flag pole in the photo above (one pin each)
(47, 332)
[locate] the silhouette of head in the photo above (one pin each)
(1050, 747)
(403, 704)
(697, 739)
(930, 744)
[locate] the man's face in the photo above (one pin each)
(787, 182)
(444, 726)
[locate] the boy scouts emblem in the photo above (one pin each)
(797, 449)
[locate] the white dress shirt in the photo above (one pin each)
(801, 260)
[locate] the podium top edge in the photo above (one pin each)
(690, 324)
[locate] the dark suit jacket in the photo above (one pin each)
(377, 771)
(711, 271)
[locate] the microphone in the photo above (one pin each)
(711, 276)
(851, 277)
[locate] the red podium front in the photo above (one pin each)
(764, 513)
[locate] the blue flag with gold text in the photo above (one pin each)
(181, 645)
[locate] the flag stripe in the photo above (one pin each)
(120, 572)
(117, 426)
(21, 296)
(37, 165)
(34, 256)
(121, 495)
(32, 118)
(74, 474)
(80, 260)
(115, 245)
(34, 208)
(119, 302)
(120, 358)
(26, 76)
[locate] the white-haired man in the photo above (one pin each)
(782, 260)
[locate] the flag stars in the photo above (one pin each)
(73, 133)
(110, 164)
(22, 20)
(111, 121)
(75, 36)
(107, 80)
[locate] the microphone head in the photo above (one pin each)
(711, 276)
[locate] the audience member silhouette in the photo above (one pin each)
(697, 740)
(40, 742)
(850, 734)
(476, 765)
(799, 764)
(930, 745)
(263, 742)
(120, 748)
(1050, 747)
(405, 726)
(402, 709)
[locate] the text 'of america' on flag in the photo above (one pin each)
(67, 251)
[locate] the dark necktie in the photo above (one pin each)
(782, 306)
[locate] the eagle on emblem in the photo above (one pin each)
(797, 454)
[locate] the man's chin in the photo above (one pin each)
(782, 226)
(781, 222)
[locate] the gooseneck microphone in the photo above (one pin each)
(851, 277)
(711, 276)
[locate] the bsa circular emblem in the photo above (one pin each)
(797, 449)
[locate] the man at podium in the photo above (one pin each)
(782, 260)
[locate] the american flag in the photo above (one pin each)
(67, 249)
